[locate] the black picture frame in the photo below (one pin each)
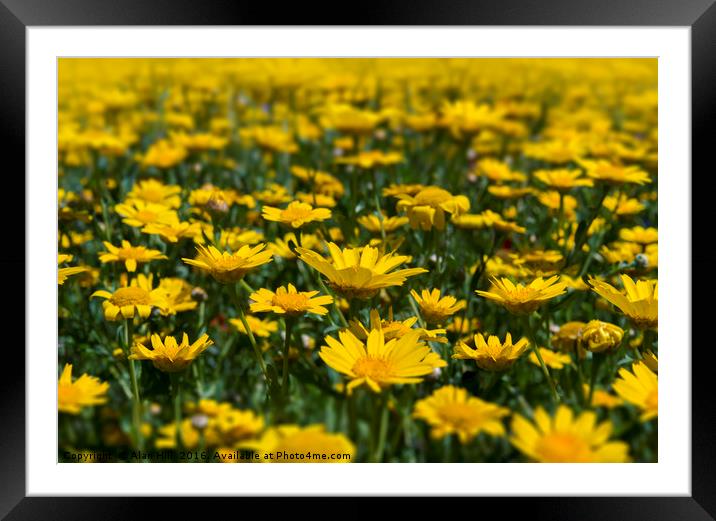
(17, 15)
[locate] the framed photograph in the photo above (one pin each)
(425, 245)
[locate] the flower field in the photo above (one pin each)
(357, 260)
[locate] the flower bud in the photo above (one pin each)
(600, 336)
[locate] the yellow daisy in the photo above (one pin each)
(136, 299)
(296, 214)
(228, 267)
(138, 213)
(451, 410)
(491, 355)
(289, 301)
(566, 439)
(639, 387)
(602, 170)
(377, 363)
(434, 308)
(520, 299)
(639, 301)
(294, 444)
(130, 255)
(156, 192)
(168, 355)
(85, 391)
(563, 178)
(359, 272)
(259, 327)
(427, 208)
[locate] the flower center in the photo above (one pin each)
(458, 414)
(377, 369)
(564, 447)
(521, 294)
(432, 196)
(131, 296)
(291, 302)
(146, 216)
(227, 264)
(153, 195)
(130, 253)
(295, 213)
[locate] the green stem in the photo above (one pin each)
(596, 363)
(175, 385)
(136, 400)
(535, 350)
(382, 429)
(235, 294)
(286, 351)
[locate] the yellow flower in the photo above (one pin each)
(551, 359)
(172, 232)
(427, 208)
(394, 328)
(167, 436)
(551, 200)
(466, 118)
(349, 119)
(557, 151)
(567, 337)
(130, 255)
(601, 398)
(163, 154)
(259, 327)
(562, 179)
(139, 213)
(374, 224)
(625, 205)
(359, 272)
(435, 309)
(639, 387)
(296, 214)
(86, 391)
(229, 426)
(228, 267)
(156, 192)
(639, 302)
(566, 439)
(600, 336)
(63, 273)
(486, 219)
(294, 444)
(289, 301)
(168, 355)
(323, 182)
(136, 299)
(498, 172)
(651, 361)
(602, 170)
(378, 363)
(492, 355)
(509, 192)
(271, 138)
(315, 199)
(639, 235)
(274, 193)
(368, 159)
(451, 410)
(178, 294)
(520, 299)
